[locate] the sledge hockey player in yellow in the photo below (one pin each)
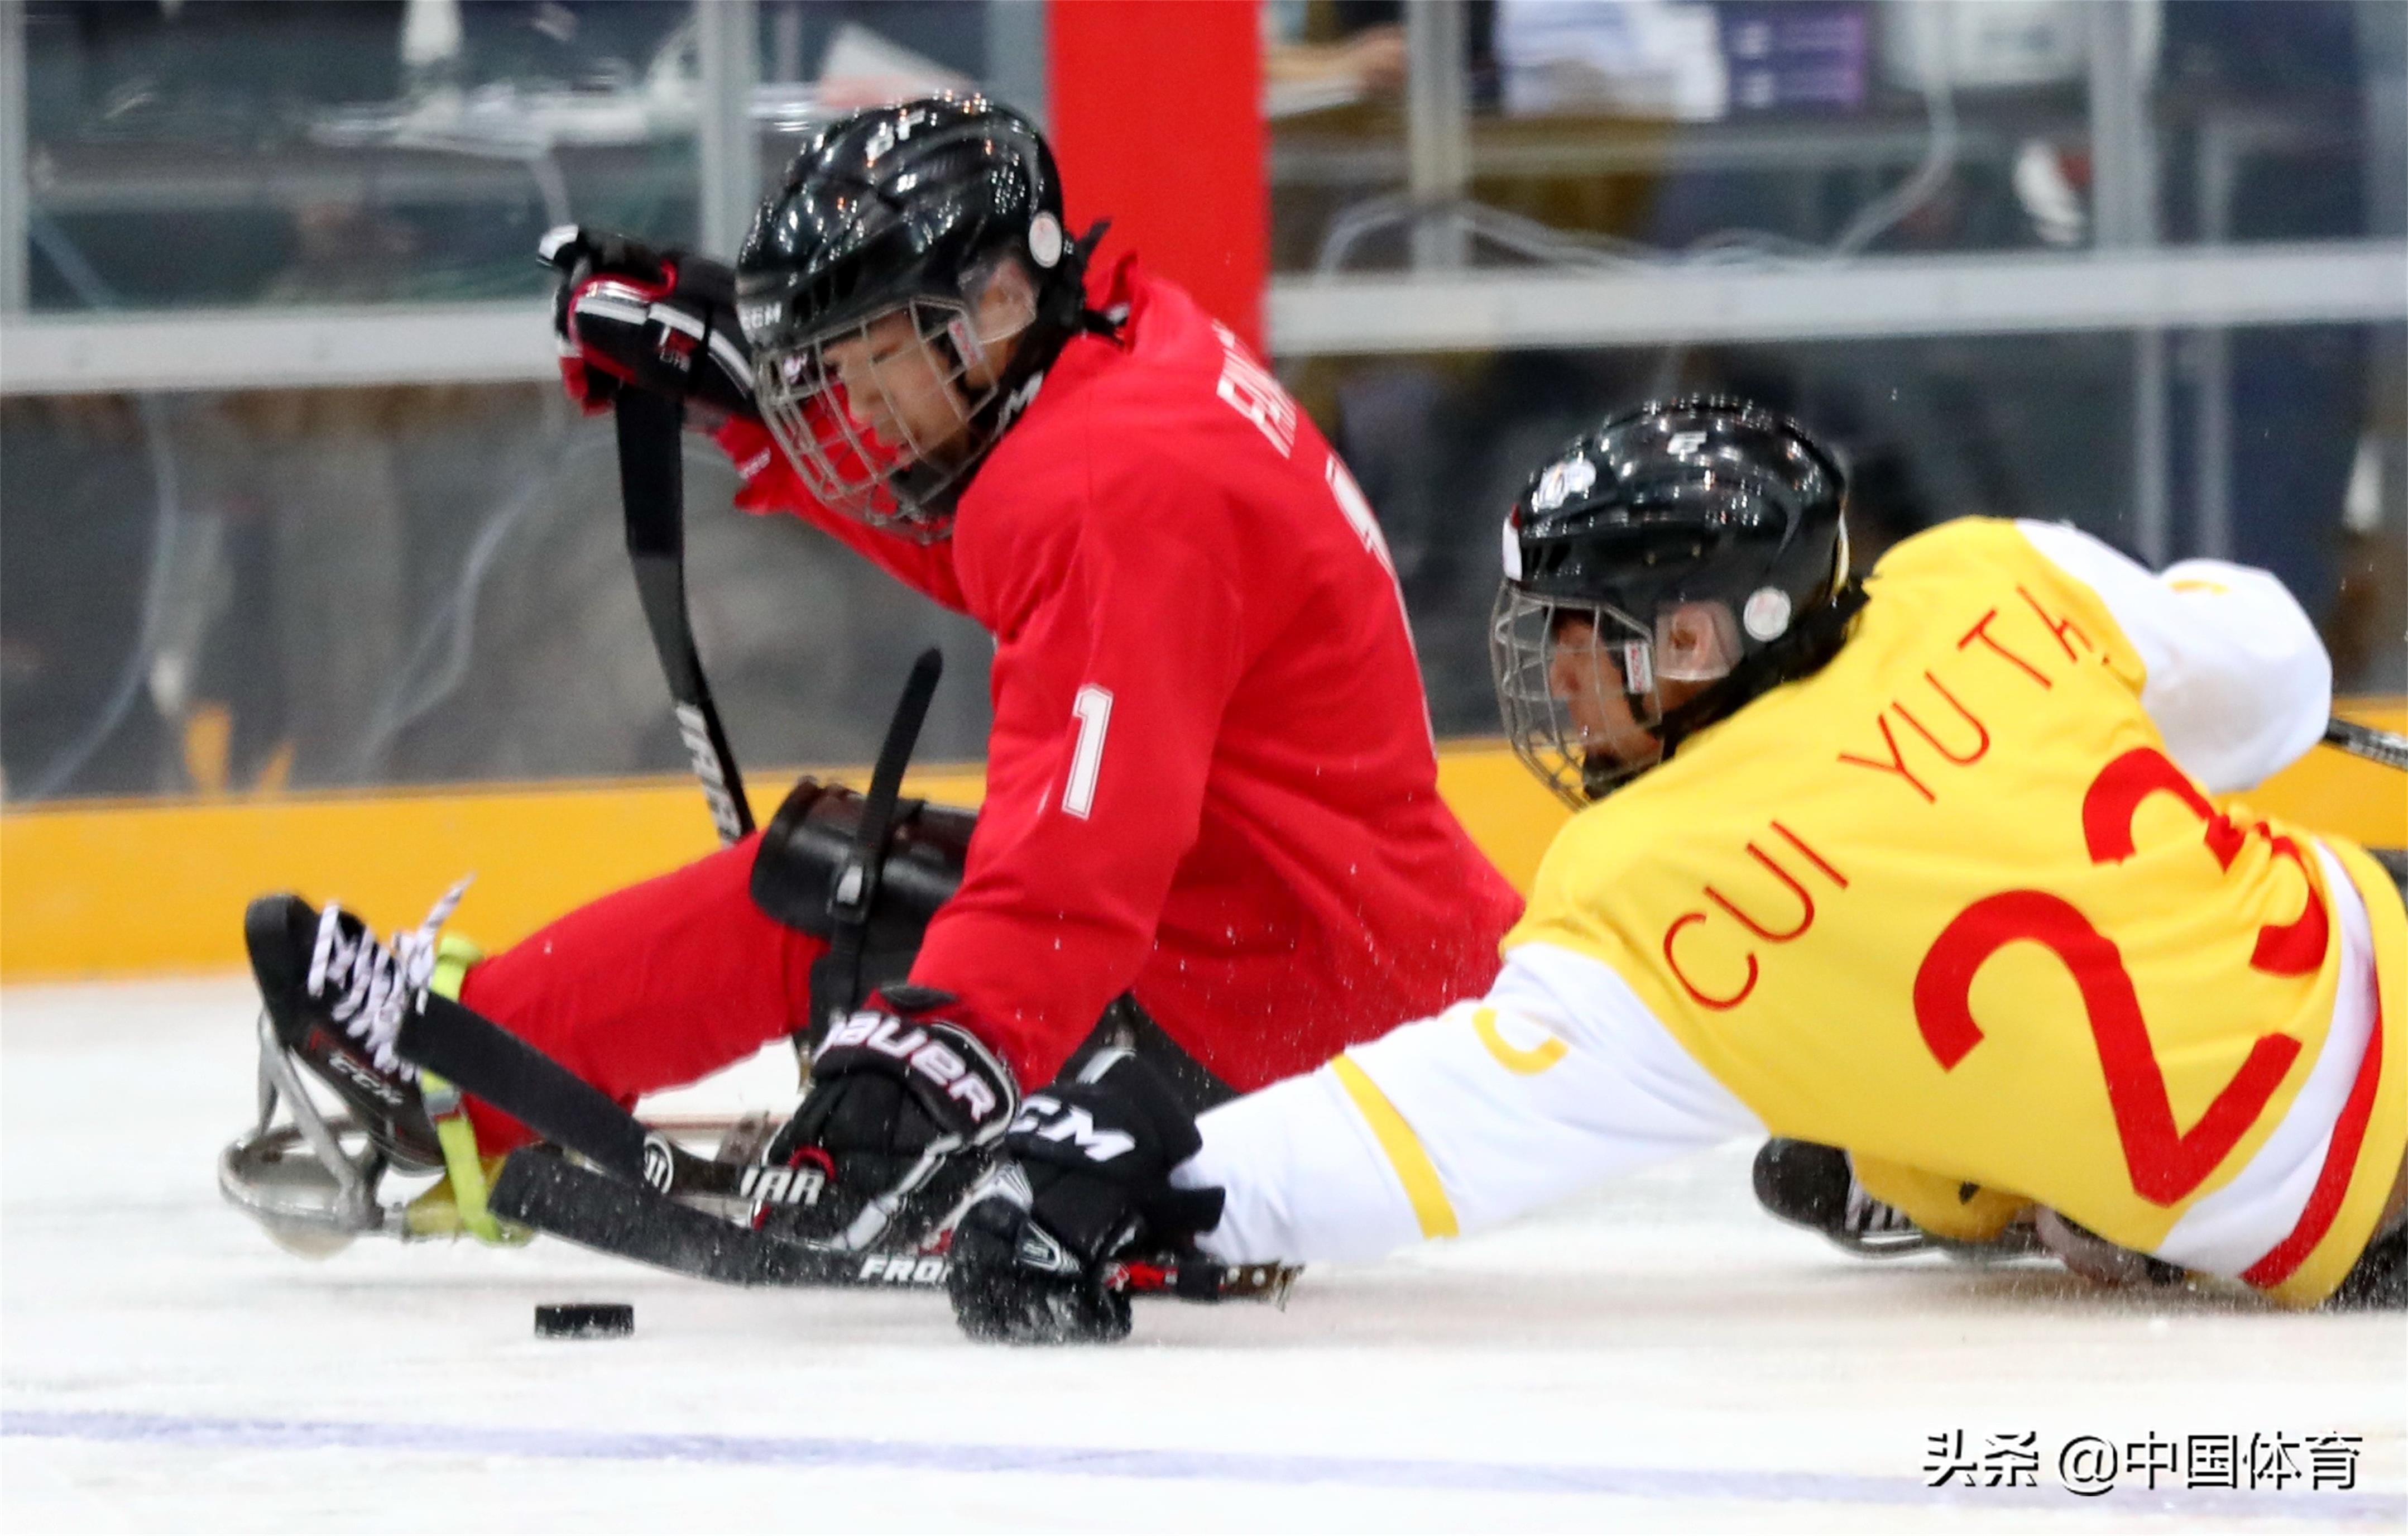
(1937, 868)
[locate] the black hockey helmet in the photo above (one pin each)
(909, 210)
(1699, 543)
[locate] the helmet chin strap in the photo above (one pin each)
(1810, 644)
(1090, 322)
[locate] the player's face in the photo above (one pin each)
(1585, 676)
(895, 388)
(907, 376)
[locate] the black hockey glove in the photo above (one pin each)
(661, 321)
(900, 1107)
(1088, 1189)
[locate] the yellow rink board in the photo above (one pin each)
(151, 887)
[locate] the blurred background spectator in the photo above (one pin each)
(254, 586)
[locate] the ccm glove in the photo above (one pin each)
(1035, 1259)
(660, 321)
(901, 1106)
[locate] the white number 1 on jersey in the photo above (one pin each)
(1093, 710)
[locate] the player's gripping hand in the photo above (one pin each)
(1088, 1189)
(901, 1106)
(661, 321)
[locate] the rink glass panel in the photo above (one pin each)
(338, 151)
(293, 153)
(319, 588)
(2315, 460)
(1592, 132)
(338, 588)
(236, 592)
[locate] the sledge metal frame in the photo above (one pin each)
(311, 1212)
(300, 1180)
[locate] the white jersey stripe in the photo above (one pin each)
(2228, 1230)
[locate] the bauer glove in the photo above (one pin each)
(661, 321)
(901, 1106)
(1041, 1256)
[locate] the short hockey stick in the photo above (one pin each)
(621, 1204)
(624, 1208)
(541, 1190)
(483, 1059)
(2388, 748)
(651, 489)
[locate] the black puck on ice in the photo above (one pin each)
(585, 1320)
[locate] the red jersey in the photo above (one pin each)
(1210, 781)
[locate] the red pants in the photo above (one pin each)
(649, 988)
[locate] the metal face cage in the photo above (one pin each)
(882, 417)
(1540, 650)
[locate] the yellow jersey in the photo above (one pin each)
(1951, 903)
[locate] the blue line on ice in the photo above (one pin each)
(815, 1451)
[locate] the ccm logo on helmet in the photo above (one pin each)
(921, 1053)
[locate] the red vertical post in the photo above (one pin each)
(1156, 109)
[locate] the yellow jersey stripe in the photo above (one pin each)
(1431, 1207)
(1514, 1059)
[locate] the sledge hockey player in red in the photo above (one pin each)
(1940, 867)
(1211, 788)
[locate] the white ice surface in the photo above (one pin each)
(1657, 1357)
